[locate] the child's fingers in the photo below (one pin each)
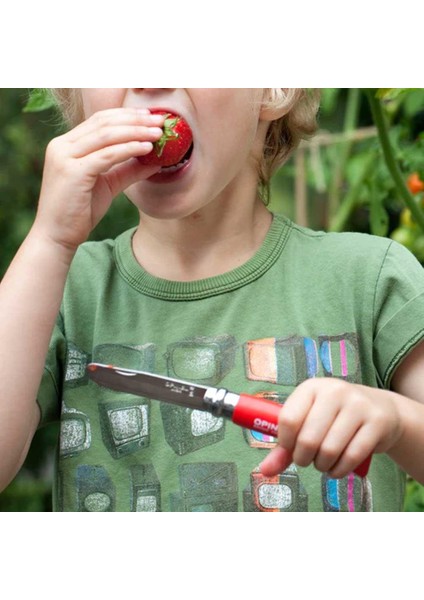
(122, 176)
(360, 447)
(112, 127)
(319, 420)
(316, 426)
(113, 135)
(102, 160)
(275, 462)
(293, 415)
(113, 116)
(335, 425)
(340, 435)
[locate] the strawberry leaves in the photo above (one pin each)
(168, 134)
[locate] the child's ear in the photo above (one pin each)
(275, 104)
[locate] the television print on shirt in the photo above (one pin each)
(145, 489)
(290, 360)
(206, 487)
(350, 494)
(281, 493)
(76, 366)
(187, 430)
(203, 359)
(126, 356)
(256, 439)
(95, 489)
(75, 432)
(125, 425)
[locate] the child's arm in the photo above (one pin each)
(408, 381)
(336, 425)
(84, 170)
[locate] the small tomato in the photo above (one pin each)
(414, 183)
(406, 219)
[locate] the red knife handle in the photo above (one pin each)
(261, 415)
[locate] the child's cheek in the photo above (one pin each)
(96, 99)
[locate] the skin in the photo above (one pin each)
(216, 204)
(208, 222)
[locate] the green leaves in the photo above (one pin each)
(168, 134)
(414, 501)
(391, 160)
(39, 100)
(391, 93)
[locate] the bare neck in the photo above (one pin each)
(204, 244)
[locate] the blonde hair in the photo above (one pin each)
(299, 121)
(69, 103)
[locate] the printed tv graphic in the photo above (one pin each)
(125, 425)
(201, 359)
(75, 432)
(206, 487)
(282, 493)
(95, 490)
(127, 356)
(75, 366)
(350, 494)
(287, 361)
(255, 439)
(187, 430)
(145, 489)
(290, 360)
(339, 356)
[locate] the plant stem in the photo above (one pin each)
(380, 121)
(350, 202)
(350, 122)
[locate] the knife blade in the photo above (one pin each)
(251, 412)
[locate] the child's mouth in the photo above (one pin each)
(174, 172)
(180, 165)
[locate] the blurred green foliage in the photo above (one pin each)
(21, 155)
(414, 500)
(347, 183)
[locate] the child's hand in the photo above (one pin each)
(88, 166)
(335, 425)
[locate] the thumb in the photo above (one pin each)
(125, 174)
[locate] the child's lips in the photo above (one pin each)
(174, 168)
(171, 174)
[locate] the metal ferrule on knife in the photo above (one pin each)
(220, 402)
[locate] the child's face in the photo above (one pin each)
(228, 136)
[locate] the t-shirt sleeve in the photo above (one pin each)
(398, 310)
(49, 393)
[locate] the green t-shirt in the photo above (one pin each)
(307, 304)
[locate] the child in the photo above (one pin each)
(211, 288)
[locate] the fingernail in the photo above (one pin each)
(146, 146)
(156, 131)
(156, 119)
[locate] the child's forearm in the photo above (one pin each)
(408, 452)
(30, 297)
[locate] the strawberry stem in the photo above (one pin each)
(168, 134)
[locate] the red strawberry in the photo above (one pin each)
(174, 143)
